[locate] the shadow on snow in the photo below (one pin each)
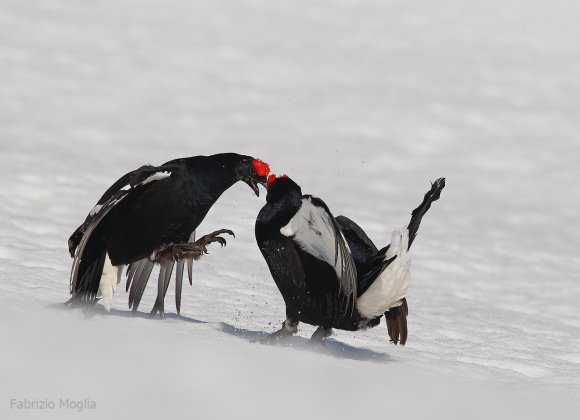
(329, 347)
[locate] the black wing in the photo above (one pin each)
(315, 231)
(112, 196)
(85, 273)
(361, 246)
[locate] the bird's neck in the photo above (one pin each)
(218, 181)
(210, 178)
(278, 213)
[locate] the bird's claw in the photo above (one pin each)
(192, 250)
(222, 231)
(214, 237)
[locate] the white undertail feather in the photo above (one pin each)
(108, 284)
(391, 285)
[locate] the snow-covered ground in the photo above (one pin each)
(362, 103)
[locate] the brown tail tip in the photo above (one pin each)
(397, 323)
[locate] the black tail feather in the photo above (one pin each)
(138, 285)
(178, 285)
(373, 267)
(130, 273)
(133, 277)
(159, 305)
(397, 323)
(89, 275)
(432, 195)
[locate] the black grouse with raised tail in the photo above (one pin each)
(330, 274)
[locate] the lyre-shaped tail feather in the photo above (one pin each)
(432, 195)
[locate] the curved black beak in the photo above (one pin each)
(253, 184)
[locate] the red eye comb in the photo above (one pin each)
(262, 168)
(273, 178)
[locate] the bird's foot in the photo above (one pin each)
(190, 250)
(77, 302)
(154, 312)
(320, 335)
(288, 329)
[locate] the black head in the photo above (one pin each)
(281, 186)
(248, 169)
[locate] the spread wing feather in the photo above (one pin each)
(117, 192)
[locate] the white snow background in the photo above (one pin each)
(362, 103)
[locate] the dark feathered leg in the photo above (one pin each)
(289, 327)
(191, 250)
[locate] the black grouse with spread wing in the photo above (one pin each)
(149, 216)
(330, 274)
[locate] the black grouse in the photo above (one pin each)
(149, 216)
(330, 274)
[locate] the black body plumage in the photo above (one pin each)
(309, 286)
